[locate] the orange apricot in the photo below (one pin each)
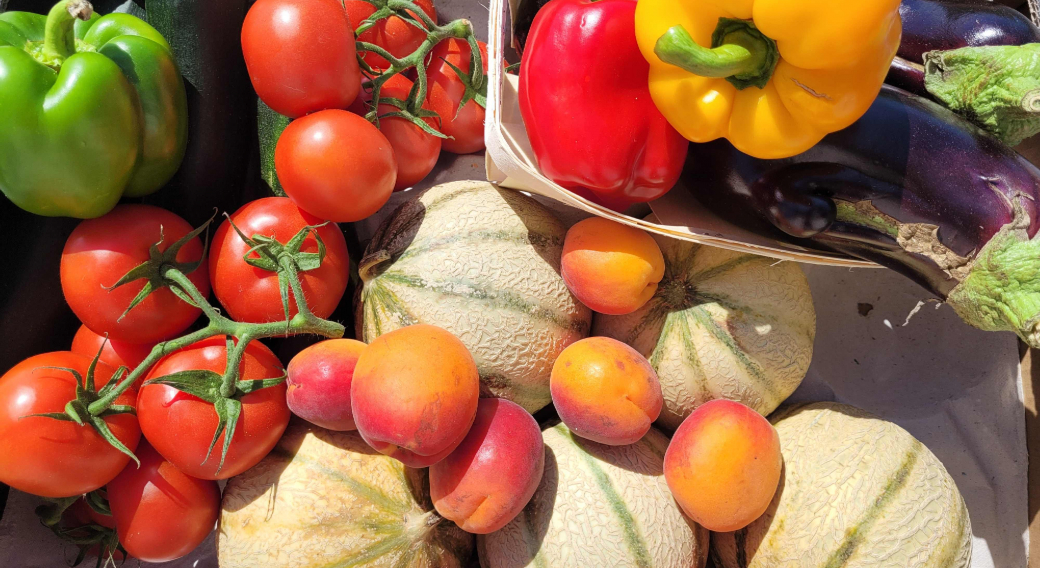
(414, 394)
(605, 391)
(723, 465)
(491, 476)
(610, 267)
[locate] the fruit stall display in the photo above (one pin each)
(264, 310)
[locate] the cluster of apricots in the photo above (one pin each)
(414, 394)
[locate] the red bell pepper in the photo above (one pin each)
(587, 108)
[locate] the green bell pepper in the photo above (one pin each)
(91, 109)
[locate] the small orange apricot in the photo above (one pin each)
(605, 391)
(610, 267)
(723, 465)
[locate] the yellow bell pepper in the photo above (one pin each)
(772, 76)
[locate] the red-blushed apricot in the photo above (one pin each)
(605, 391)
(414, 394)
(723, 465)
(319, 379)
(611, 267)
(491, 476)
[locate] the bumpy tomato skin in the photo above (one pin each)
(101, 251)
(161, 513)
(251, 294)
(180, 426)
(57, 458)
(300, 55)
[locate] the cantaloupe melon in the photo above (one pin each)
(323, 498)
(484, 264)
(598, 506)
(857, 492)
(721, 325)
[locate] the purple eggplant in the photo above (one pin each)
(941, 25)
(911, 186)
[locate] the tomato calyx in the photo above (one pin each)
(80, 411)
(209, 386)
(411, 108)
(266, 253)
(475, 91)
(153, 270)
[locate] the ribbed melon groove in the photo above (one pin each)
(701, 316)
(633, 539)
(719, 270)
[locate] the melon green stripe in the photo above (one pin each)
(504, 300)
(657, 311)
(416, 211)
(681, 264)
(526, 238)
(733, 306)
(709, 324)
(690, 357)
(406, 558)
(633, 539)
(360, 488)
(855, 536)
(372, 552)
(719, 270)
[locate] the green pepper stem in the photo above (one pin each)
(59, 41)
(740, 53)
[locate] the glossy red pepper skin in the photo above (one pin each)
(587, 108)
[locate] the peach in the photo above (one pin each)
(723, 465)
(612, 268)
(414, 394)
(605, 391)
(319, 379)
(491, 476)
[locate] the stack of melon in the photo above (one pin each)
(485, 264)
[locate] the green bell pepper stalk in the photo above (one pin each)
(91, 109)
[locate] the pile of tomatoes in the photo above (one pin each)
(331, 160)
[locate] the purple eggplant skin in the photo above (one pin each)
(930, 25)
(911, 186)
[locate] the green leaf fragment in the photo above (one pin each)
(250, 386)
(998, 87)
(200, 383)
(101, 426)
(228, 412)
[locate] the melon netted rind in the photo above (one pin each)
(484, 264)
(324, 498)
(722, 324)
(857, 492)
(599, 506)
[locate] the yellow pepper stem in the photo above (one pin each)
(739, 52)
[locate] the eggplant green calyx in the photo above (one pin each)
(1002, 289)
(739, 52)
(998, 87)
(79, 409)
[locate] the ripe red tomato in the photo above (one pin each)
(416, 151)
(445, 91)
(115, 353)
(300, 55)
(50, 457)
(161, 513)
(392, 34)
(180, 426)
(251, 294)
(100, 251)
(335, 165)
